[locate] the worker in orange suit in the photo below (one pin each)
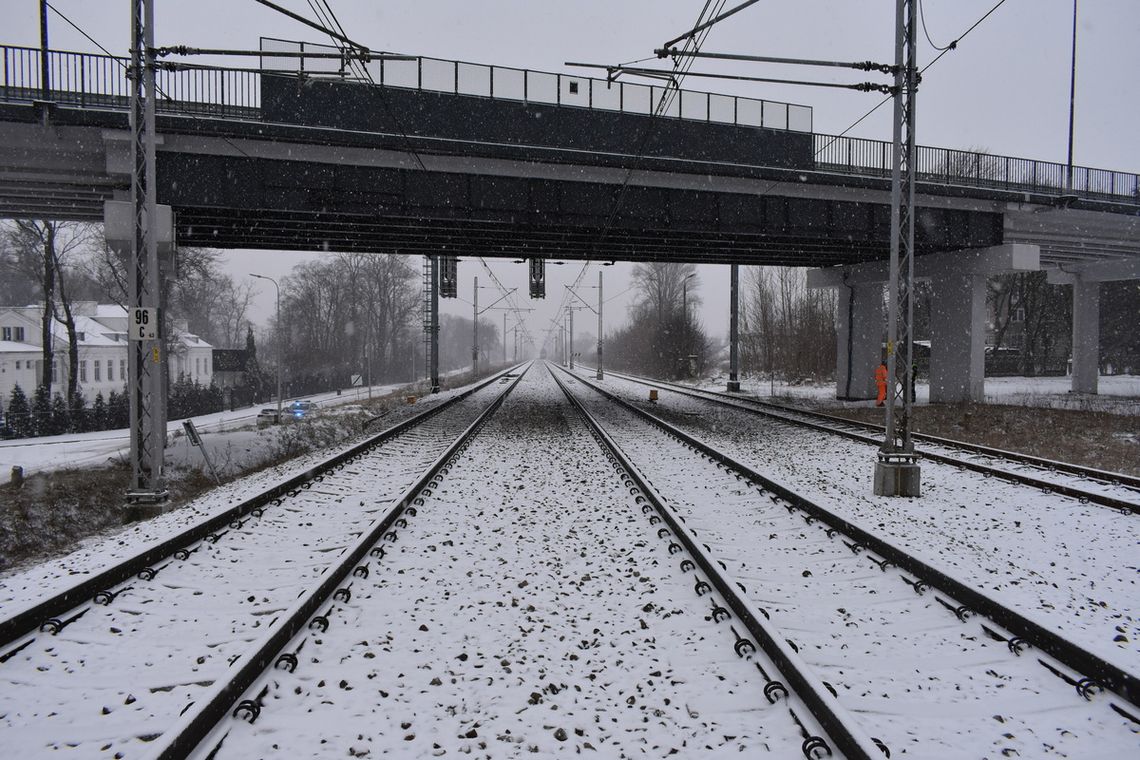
(881, 382)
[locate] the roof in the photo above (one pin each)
(12, 347)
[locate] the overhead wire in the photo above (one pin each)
(694, 41)
(922, 19)
(157, 88)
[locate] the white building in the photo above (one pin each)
(101, 333)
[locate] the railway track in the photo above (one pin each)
(564, 574)
(487, 628)
(121, 635)
(927, 664)
(1111, 489)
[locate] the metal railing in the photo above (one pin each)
(100, 81)
(947, 166)
(524, 85)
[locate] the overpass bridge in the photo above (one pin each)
(448, 157)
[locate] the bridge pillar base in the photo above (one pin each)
(734, 386)
(958, 339)
(859, 340)
(1086, 336)
(895, 477)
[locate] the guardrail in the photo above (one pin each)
(946, 166)
(101, 81)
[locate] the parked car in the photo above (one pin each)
(267, 417)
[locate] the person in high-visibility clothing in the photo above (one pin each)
(881, 381)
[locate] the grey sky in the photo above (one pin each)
(1005, 89)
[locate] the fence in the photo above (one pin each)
(87, 80)
(524, 85)
(946, 166)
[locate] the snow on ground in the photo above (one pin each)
(104, 446)
(1118, 394)
(21, 584)
(126, 670)
(1072, 566)
(914, 675)
(529, 611)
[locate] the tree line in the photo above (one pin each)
(58, 264)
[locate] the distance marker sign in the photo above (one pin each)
(143, 324)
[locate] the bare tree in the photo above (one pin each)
(40, 250)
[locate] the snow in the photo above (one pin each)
(530, 608)
(1073, 565)
(125, 671)
(95, 449)
(917, 677)
(1117, 394)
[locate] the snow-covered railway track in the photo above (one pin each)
(164, 625)
(1086, 484)
(918, 670)
(527, 608)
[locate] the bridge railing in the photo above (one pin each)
(102, 81)
(525, 85)
(89, 80)
(947, 166)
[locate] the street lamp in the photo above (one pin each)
(280, 344)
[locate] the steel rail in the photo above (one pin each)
(1098, 671)
(199, 720)
(780, 412)
(844, 731)
(30, 618)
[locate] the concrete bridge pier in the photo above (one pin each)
(1086, 280)
(859, 334)
(958, 324)
(958, 338)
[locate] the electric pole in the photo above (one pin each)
(897, 470)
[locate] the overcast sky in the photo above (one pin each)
(1005, 89)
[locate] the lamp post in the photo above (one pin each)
(280, 342)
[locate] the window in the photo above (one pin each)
(83, 371)
(80, 335)
(19, 332)
(197, 367)
(123, 369)
(7, 333)
(1019, 315)
(110, 370)
(98, 373)
(17, 364)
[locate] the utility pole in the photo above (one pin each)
(434, 334)
(597, 311)
(45, 68)
(598, 376)
(475, 331)
(897, 470)
(734, 329)
(571, 310)
(1072, 102)
(504, 337)
(146, 371)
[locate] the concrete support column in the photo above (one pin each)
(1086, 336)
(958, 338)
(859, 339)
